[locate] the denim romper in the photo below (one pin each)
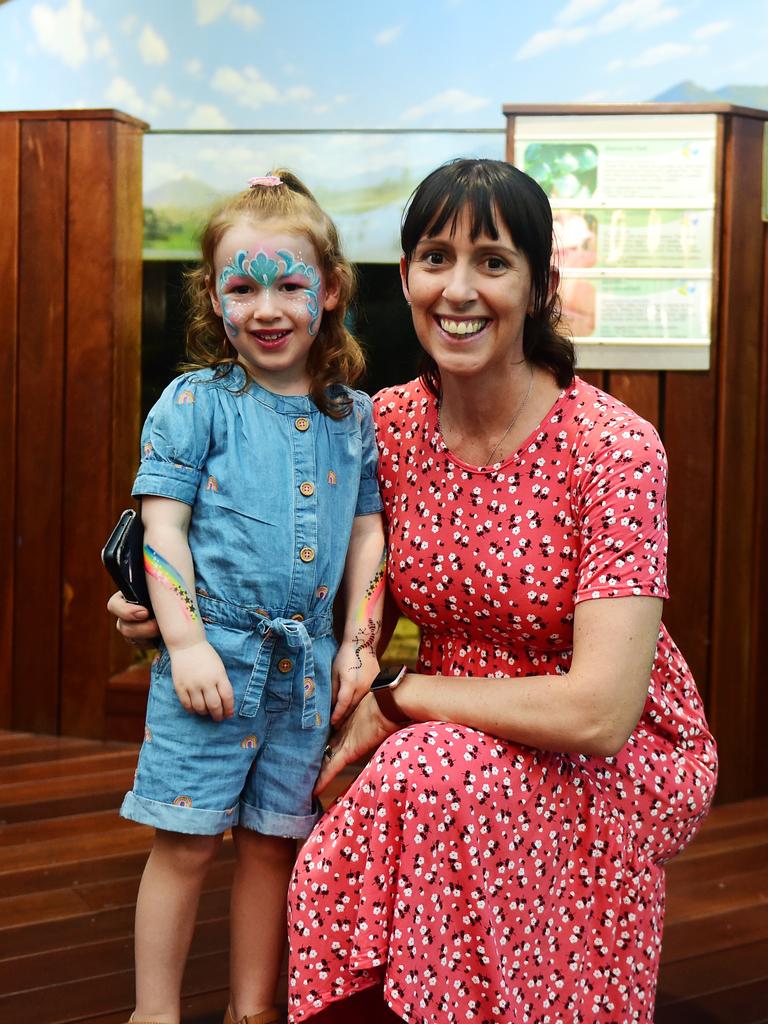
(274, 486)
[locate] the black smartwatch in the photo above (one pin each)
(382, 689)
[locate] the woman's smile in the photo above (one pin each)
(457, 327)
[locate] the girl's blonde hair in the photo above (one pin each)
(335, 356)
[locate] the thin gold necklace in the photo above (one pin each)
(512, 422)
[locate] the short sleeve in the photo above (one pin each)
(622, 512)
(368, 497)
(175, 441)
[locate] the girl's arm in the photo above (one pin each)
(355, 666)
(199, 677)
(592, 709)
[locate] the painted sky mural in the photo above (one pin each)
(278, 84)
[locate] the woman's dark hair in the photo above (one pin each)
(492, 189)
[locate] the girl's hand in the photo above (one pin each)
(133, 622)
(201, 681)
(365, 730)
(354, 669)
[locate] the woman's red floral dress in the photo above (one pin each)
(478, 879)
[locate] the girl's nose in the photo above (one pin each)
(263, 305)
(460, 288)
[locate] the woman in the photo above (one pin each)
(500, 857)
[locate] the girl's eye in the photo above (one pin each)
(239, 289)
(291, 286)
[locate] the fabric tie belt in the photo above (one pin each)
(295, 635)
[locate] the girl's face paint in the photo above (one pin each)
(271, 297)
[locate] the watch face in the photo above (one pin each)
(387, 676)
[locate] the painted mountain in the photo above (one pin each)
(739, 95)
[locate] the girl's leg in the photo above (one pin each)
(258, 919)
(165, 919)
(367, 1006)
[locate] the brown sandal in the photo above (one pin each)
(270, 1016)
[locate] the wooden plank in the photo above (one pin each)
(66, 767)
(9, 282)
(726, 969)
(691, 938)
(90, 926)
(32, 752)
(42, 311)
(91, 261)
(57, 904)
(21, 973)
(71, 1001)
(744, 1005)
(700, 900)
(689, 439)
(733, 694)
(758, 625)
(640, 391)
(126, 378)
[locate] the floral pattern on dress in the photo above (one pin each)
(478, 879)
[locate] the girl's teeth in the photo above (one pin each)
(462, 326)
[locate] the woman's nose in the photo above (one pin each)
(460, 288)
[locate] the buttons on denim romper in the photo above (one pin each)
(301, 423)
(307, 555)
(307, 488)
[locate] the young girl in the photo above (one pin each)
(258, 488)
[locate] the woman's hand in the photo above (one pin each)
(133, 621)
(363, 731)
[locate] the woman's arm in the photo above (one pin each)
(199, 677)
(592, 709)
(355, 665)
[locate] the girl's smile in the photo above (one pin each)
(271, 296)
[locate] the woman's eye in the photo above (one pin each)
(496, 263)
(434, 259)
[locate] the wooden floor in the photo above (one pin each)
(69, 870)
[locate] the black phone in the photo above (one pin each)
(123, 558)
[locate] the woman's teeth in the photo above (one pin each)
(460, 327)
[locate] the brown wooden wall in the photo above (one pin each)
(714, 426)
(70, 304)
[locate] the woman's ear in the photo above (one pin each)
(213, 296)
(404, 279)
(332, 292)
(554, 282)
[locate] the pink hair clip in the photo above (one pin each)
(269, 181)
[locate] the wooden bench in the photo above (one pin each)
(69, 872)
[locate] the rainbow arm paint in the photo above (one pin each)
(161, 570)
(365, 585)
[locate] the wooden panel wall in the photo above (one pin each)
(9, 275)
(70, 264)
(714, 426)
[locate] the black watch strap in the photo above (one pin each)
(385, 698)
(383, 689)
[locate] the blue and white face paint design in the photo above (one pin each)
(271, 297)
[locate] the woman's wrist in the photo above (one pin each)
(384, 691)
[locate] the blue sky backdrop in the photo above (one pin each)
(350, 63)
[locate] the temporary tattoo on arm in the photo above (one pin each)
(365, 640)
(370, 623)
(155, 565)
